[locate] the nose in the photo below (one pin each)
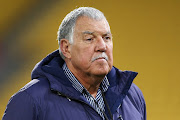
(100, 45)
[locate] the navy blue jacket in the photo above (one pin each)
(50, 96)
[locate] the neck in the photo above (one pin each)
(91, 88)
(90, 82)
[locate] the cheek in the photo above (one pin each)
(110, 55)
(84, 56)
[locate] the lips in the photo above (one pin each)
(101, 58)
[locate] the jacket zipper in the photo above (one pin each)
(120, 116)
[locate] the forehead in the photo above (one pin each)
(84, 24)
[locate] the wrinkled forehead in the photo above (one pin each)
(89, 25)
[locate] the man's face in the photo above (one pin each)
(92, 42)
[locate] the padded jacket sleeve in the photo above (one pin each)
(21, 106)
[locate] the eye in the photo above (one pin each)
(107, 38)
(89, 39)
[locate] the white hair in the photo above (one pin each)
(66, 27)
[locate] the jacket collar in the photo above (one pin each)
(120, 82)
(51, 68)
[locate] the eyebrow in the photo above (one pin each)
(108, 33)
(91, 33)
(88, 32)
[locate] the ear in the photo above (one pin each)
(65, 48)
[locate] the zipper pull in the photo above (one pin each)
(119, 106)
(63, 96)
(59, 93)
(68, 99)
(120, 117)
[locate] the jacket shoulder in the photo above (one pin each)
(36, 87)
(26, 101)
(20, 102)
(136, 93)
(136, 97)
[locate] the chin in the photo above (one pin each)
(101, 72)
(101, 69)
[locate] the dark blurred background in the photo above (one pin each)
(146, 36)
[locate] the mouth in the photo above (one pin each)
(100, 58)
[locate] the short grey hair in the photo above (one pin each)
(67, 25)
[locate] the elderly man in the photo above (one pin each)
(78, 81)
